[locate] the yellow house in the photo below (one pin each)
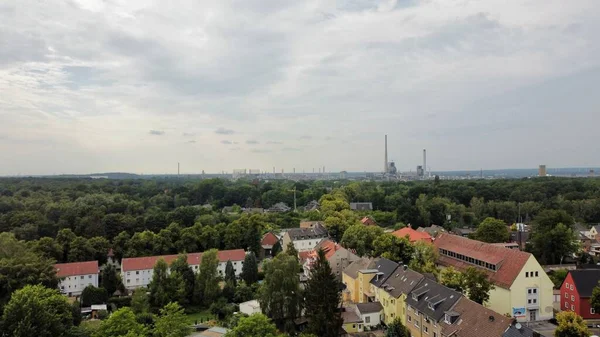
(392, 293)
(522, 288)
(356, 278)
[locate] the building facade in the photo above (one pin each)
(576, 292)
(74, 277)
(427, 306)
(304, 239)
(523, 290)
(337, 256)
(137, 272)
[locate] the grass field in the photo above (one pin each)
(201, 316)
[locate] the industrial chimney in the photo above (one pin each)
(385, 164)
(424, 162)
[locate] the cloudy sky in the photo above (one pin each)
(139, 85)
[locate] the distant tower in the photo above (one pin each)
(178, 169)
(385, 164)
(424, 161)
(542, 171)
(273, 169)
(294, 170)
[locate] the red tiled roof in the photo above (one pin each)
(475, 320)
(148, 262)
(76, 268)
(269, 239)
(368, 221)
(413, 235)
(510, 261)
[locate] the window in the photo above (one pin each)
(526, 274)
(536, 274)
(137, 272)
(89, 276)
(416, 323)
(128, 281)
(368, 319)
(529, 291)
(572, 308)
(529, 301)
(572, 298)
(535, 289)
(409, 318)
(435, 334)
(128, 273)
(566, 295)
(571, 287)
(426, 330)
(353, 326)
(592, 311)
(567, 305)
(81, 278)
(567, 285)
(534, 301)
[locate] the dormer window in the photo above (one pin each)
(447, 318)
(415, 297)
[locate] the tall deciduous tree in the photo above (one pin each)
(122, 323)
(291, 250)
(452, 278)
(492, 230)
(110, 279)
(477, 285)
(250, 269)
(140, 303)
(276, 249)
(595, 299)
(323, 299)
(207, 282)
(571, 325)
(181, 266)
(230, 273)
(361, 238)
(37, 311)
(257, 325)
(393, 248)
(280, 296)
(550, 246)
(160, 289)
(172, 322)
(92, 295)
(424, 258)
(397, 329)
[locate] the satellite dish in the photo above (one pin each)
(518, 326)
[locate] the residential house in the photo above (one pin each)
(361, 206)
(304, 238)
(267, 243)
(310, 224)
(312, 206)
(369, 313)
(432, 230)
(509, 245)
(74, 277)
(392, 293)
(280, 207)
(253, 210)
(385, 268)
(368, 221)
(522, 288)
(427, 306)
(520, 237)
(576, 291)
(413, 235)
(464, 231)
(250, 307)
(350, 278)
(137, 271)
(585, 241)
(212, 332)
(474, 320)
(352, 322)
(593, 232)
(520, 330)
(337, 256)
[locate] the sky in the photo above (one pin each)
(140, 85)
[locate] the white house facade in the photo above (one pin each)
(74, 277)
(304, 239)
(137, 272)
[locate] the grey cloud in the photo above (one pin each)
(271, 142)
(223, 131)
(226, 142)
(252, 142)
(188, 134)
(156, 132)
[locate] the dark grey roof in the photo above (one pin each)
(386, 268)
(401, 282)
(307, 233)
(430, 294)
(369, 307)
(350, 317)
(361, 206)
(524, 331)
(463, 231)
(360, 264)
(585, 280)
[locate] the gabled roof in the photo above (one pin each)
(413, 235)
(269, 239)
(148, 262)
(360, 264)
(509, 262)
(402, 281)
(329, 247)
(385, 269)
(430, 295)
(367, 221)
(369, 307)
(307, 233)
(76, 268)
(475, 320)
(585, 280)
(361, 206)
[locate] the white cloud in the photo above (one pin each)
(478, 83)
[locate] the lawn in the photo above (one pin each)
(201, 316)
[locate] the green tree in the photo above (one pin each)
(595, 299)
(393, 248)
(322, 299)
(361, 238)
(243, 293)
(571, 325)
(397, 329)
(291, 250)
(181, 267)
(280, 296)
(230, 273)
(424, 258)
(257, 325)
(477, 285)
(550, 246)
(140, 303)
(207, 282)
(122, 323)
(172, 322)
(558, 276)
(250, 269)
(19, 266)
(37, 311)
(453, 279)
(160, 289)
(492, 230)
(92, 295)
(110, 279)
(276, 249)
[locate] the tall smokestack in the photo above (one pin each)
(424, 162)
(385, 164)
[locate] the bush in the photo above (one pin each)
(102, 314)
(120, 302)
